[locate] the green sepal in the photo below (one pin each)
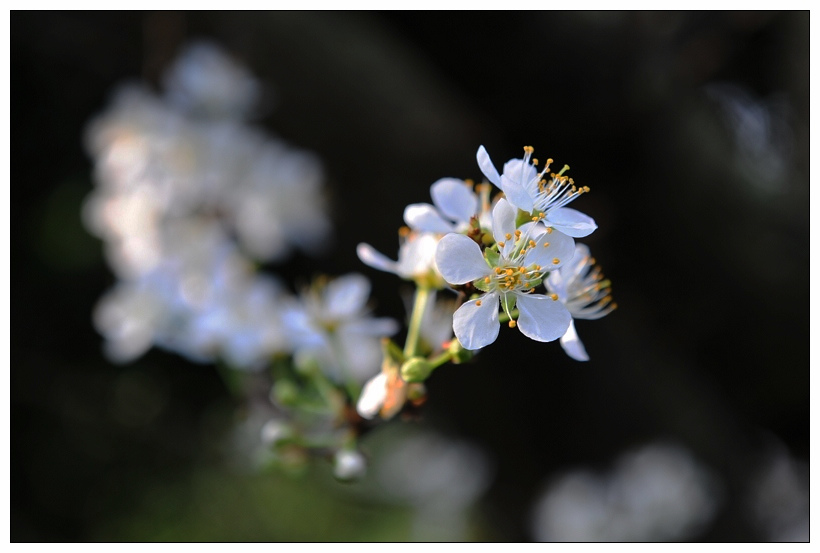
(522, 217)
(491, 257)
(481, 285)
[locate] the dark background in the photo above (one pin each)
(709, 261)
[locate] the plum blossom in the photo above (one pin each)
(455, 204)
(417, 258)
(542, 194)
(331, 324)
(509, 276)
(586, 294)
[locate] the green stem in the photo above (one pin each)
(413, 333)
(503, 317)
(442, 358)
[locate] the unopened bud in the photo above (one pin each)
(416, 369)
(349, 464)
(458, 353)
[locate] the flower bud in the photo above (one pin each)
(416, 369)
(458, 353)
(349, 464)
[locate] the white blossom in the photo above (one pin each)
(580, 285)
(332, 325)
(455, 204)
(417, 258)
(541, 194)
(509, 276)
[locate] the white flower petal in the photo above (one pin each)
(476, 322)
(369, 256)
(459, 259)
(346, 295)
(455, 199)
(561, 247)
(383, 326)
(426, 218)
(541, 318)
(571, 222)
(504, 224)
(417, 256)
(487, 167)
(522, 173)
(373, 395)
(573, 269)
(572, 344)
(516, 193)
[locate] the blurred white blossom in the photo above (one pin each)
(656, 493)
(204, 80)
(330, 324)
(779, 498)
(440, 476)
(187, 197)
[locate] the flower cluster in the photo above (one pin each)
(190, 199)
(496, 253)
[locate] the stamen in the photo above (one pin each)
(511, 324)
(478, 303)
(554, 297)
(556, 261)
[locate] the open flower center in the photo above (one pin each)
(508, 278)
(551, 190)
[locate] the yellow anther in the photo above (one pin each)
(517, 233)
(541, 215)
(549, 161)
(534, 219)
(502, 244)
(469, 182)
(546, 244)
(527, 285)
(498, 270)
(556, 261)
(549, 230)
(487, 280)
(508, 236)
(614, 306)
(538, 267)
(532, 243)
(404, 231)
(511, 324)
(478, 303)
(554, 297)
(509, 271)
(528, 149)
